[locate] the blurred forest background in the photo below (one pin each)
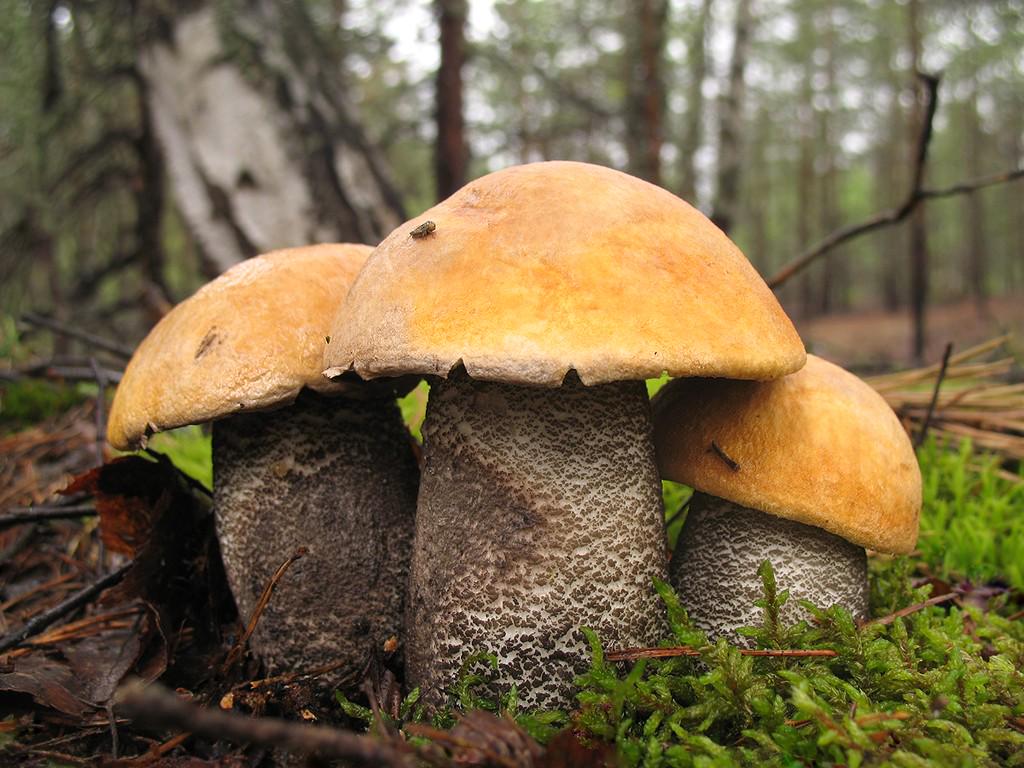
(146, 145)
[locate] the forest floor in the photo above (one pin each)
(877, 340)
(112, 575)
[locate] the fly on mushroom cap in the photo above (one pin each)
(540, 507)
(820, 452)
(540, 269)
(299, 461)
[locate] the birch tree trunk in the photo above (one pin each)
(261, 146)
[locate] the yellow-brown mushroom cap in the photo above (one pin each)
(539, 269)
(820, 447)
(249, 340)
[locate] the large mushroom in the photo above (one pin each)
(805, 471)
(542, 296)
(299, 461)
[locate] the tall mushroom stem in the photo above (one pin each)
(721, 546)
(339, 478)
(539, 513)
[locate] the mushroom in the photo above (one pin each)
(804, 471)
(299, 461)
(542, 297)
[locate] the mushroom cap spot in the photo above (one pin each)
(540, 269)
(249, 340)
(820, 447)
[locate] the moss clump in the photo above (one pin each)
(26, 403)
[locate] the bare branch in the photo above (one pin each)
(74, 333)
(77, 600)
(94, 152)
(156, 706)
(935, 396)
(915, 197)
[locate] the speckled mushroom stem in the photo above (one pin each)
(338, 477)
(539, 512)
(721, 547)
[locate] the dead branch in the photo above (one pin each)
(64, 372)
(915, 196)
(99, 149)
(155, 706)
(38, 623)
(632, 654)
(236, 652)
(75, 333)
(886, 620)
(935, 396)
(23, 515)
(101, 407)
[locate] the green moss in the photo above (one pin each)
(972, 524)
(26, 403)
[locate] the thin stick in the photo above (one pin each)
(236, 652)
(631, 654)
(291, 676)
(35, 514)
(886, 620)
(935, 396)
(76, 333)
(101, 407)
(155, 706)
(63, 608)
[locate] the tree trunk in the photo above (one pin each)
(975, 265)
(693, 135)
(834, 276)
(260, 143)
(888, 185)
(646, 91)
(918, 225)
(805, 173)
(730, 124)
(451, 154)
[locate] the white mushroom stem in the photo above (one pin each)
(722, 545)
(539, 513)
(339, 478)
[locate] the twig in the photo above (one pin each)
(261, 604)
(292, 676)
(886, 620)
(65, 372)
(75, 333)
(48, 617)
(35, 514)
(158, 707)
(632, 654)
(935, 396)
(100, 411)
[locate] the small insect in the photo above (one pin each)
(424, 229)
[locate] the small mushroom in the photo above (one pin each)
(544, 298)
(299, 461)
(820, 469)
